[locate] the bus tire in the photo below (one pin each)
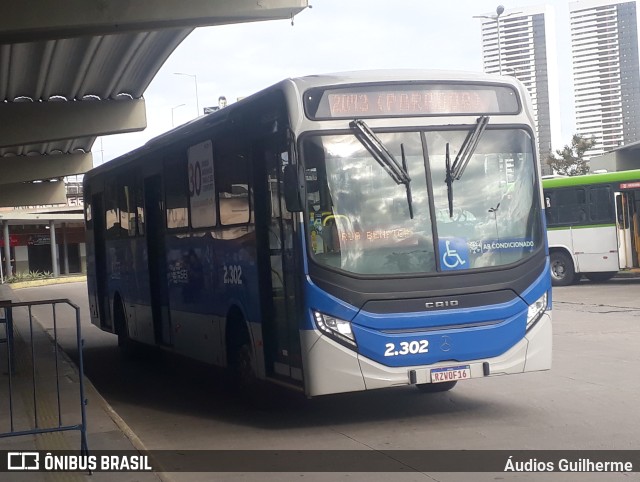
(563, 273)
(436, 387)
(126, 345)
(601, 276)
(240, 356)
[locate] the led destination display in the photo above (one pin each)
(409, 100)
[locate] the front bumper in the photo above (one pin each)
(333, 368)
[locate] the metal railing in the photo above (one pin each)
(24, 363)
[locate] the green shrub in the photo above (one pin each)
(32, 275)
(29, 276)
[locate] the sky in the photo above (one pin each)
(332, 36)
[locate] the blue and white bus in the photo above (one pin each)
(334, 233)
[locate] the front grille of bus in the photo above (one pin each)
(443, 327)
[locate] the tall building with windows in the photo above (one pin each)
(521, 43)
(606, 75)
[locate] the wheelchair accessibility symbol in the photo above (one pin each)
(455, 254)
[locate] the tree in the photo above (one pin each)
(569, 161)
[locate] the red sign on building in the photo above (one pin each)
(13, 240)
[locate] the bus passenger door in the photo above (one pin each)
(157, 260)
(274, 226)
(628, 226)
(100, 255)
(623, 222)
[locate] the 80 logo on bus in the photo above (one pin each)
(195, 179)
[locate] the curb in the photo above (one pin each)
(46, 282)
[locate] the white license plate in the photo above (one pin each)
(450, 374)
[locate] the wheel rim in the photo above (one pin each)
(558, 270)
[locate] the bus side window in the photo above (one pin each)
(127, 217)
(111, 215)
(551, 210)
(600, 206)
(571, 205)
(139, 205)
(284, 162)
(176, 192)
(232, 178)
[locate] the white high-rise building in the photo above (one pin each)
(606, 76)
(522, 43)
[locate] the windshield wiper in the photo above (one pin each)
(449, 179)
(468, 147)
(381, 154)
(408, 184)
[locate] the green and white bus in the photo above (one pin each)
(593, 225)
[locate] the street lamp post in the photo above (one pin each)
(195, 82)
(173, 109)
(499, 11)
(496, 17)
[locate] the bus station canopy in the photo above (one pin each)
(73, 70)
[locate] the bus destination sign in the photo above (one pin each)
(412, 100)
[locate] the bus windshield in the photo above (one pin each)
(359, 218)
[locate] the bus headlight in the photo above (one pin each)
(536, 310)
(339, 330)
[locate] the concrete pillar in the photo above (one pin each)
(83, 258)
(54, 249)
(7, 248)
(65, 249)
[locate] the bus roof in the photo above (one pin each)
(395, 75)
(302, 84)
(589, 179)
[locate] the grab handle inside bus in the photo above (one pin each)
(292, 189)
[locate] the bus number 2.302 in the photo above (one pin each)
(232, 274)
(407, 348)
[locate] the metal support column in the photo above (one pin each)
(7, 249)
(54, 249)
(65, 249)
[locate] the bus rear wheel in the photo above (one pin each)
(600, 277)
(436, 387)
(563, 272)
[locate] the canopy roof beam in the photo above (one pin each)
(58, 120)
(33, 194)
(33, 168)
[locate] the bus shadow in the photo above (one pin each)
(620, 281)
(169, 383)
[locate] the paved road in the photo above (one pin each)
(589, 400)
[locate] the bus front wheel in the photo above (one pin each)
(126, 345)
(240, 357)
(436, 387)
(563, 272)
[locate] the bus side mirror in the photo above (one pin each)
(291, 189)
